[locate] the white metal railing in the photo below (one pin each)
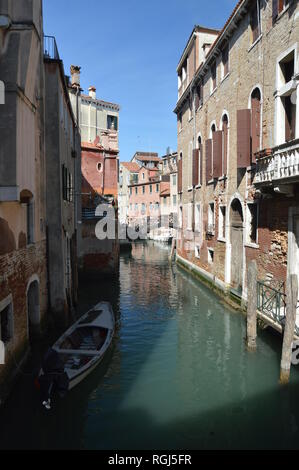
(283, 164)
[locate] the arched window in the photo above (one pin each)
(255, 122)
(225, 143)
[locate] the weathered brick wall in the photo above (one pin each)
(16, 271)
(249, 66)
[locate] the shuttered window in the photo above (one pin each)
(217, 154)
(195, 167)
(255, 122)
(180, 166)
(198, 96)
(243, 137)
(255, 21)
(225, 54)
(277, 7)
(225, 143)
(213, 75)
(209, 169)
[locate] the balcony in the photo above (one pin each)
(279, 166)
(50, 48)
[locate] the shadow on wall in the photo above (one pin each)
(7, 239)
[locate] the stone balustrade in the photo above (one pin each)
(281, 166)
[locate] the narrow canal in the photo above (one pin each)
(177, 377)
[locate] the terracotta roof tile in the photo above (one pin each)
(131, 166)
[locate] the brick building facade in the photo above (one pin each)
(238, 130)
(99, 124)
(23, 265)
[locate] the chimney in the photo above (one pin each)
(75, 74)
(92, 92)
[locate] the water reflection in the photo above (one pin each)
(178, 374)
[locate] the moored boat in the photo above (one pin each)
(82, 347)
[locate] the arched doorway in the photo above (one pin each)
(236, 236)
(33, 310)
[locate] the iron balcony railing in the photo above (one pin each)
(271, 300)
(50, 48)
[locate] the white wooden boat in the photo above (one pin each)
(82, 347)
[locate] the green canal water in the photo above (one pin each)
(178, 375)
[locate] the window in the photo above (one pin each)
(290, 118)
(255, 122)
(143, 176)
(143, 189)
(286, 104)
(157, 188)
(181, 217)
(131, 191)
(225, 56)
(6, 324)
(197, 251)
(135, 178)
(199, 160)
(213, 76)
(151, 206)
(143, 208)
(225, 143)
(211, 218)
(255, 21)
(190, 155)
(165, 201)
(100, 167)
(112, 122)
(278, 6)
(136, 207)
(190, 107)
(198, 95)
(151, 188)
(136, 190)
(210, 255)
(174, 199)
(213, 130)
(131, 207)
(287, 68)
(222, 222)
(157, 206)
(174, 180)
(252, 223)
(197, 218)
(189, 214)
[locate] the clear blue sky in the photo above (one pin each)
(129, 50)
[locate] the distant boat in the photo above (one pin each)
(82, 347)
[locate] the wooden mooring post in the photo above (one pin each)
(173, 247)
(290, 321)
(251, 305)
